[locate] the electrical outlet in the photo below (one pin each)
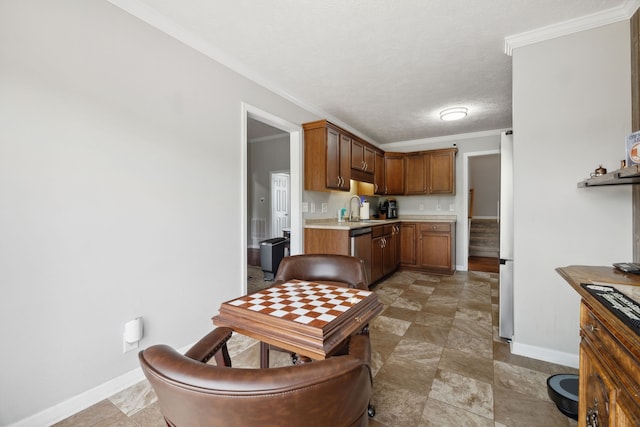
(421, 206)
(129, 346)
(313, 207)
(305, 207)
(438, 207)
(325, 207)
(452, 207)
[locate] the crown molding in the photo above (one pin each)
(587, 22)
(151, 16)
(442, 139)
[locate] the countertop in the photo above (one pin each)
(333, 224)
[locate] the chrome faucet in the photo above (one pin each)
(351, 216)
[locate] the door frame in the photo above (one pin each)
(295, 169)
(465, 202)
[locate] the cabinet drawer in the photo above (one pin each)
(377, 231)
(611, 349)
(435, 226)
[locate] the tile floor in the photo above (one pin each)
(437, 361)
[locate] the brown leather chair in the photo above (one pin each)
(339, 270)
(192, 393)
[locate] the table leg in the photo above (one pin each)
(264, 355)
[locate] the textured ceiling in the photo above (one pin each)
(384, 68)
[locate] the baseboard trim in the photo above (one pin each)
(540, 353)
(83, 400)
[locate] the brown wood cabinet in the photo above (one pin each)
(394, 173)
(379, 173)
(415, 170)
(430, 172)
(609, 387)
(380, 253)
(435, 247)
(408, 239)
(441, 171)
(384, 250)
(428, 246)
(327, 157)
(362, 157)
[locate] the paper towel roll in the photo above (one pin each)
(133, 330)
(364, 210)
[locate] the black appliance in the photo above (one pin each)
(390, 206)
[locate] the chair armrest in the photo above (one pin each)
(360, 348)
(212, 344)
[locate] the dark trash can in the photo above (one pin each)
(563, 391)
(271, 253)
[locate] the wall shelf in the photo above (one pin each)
(626, 176)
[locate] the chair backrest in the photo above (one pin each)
(338, 270)
(331, 392)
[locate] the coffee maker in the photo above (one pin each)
(390, 206)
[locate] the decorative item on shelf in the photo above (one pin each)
(599, 172)
(633, 148)
(623, 164)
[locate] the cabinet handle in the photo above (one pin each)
(592, 328)
(592, 414)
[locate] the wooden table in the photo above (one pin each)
(307, 318)
(609, 386)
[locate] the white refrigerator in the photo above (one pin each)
(506, 235)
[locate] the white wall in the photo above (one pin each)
(484, 178)
(571, 112)
(264, 157)
(117, 146)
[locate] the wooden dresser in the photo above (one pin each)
(609, 352)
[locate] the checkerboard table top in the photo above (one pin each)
(306, 303)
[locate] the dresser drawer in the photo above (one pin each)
(435, 226)
(611, 349)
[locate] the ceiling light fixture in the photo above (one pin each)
(455, 113)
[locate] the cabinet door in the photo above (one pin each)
(394, 174)
(378, 181)
(596, 391)
(333, 159)
(415, 173)
(377, 258)
(390, 250)
(357, 155)
(434, 247)
(408, 244)
(441, 165)
(344, 162)
(369, 159)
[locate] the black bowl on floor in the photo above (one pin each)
(563, 391)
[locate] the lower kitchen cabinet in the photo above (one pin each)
(384, 250)
(407, 248)
(428, 246)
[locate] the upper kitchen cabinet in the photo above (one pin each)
(430, 172)
(394, 173)
(363, 160)
(327, 157)
(415, 169)
(379, 173)
(441, 177)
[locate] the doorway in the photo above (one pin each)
(481, 200)
(260, 127)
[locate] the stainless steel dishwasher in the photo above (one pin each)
(361, 247)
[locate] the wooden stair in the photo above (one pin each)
(484, 238)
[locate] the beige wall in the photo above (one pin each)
(571, 112)
(118, 144)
